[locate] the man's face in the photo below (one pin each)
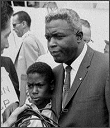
(106, 49)
(62, 41)
(38, 88)
(17, 26)
(86, 34)
(4, 37)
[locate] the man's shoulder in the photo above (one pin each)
(102, 56)
(30, 39)
(6, 59)
(57, 68)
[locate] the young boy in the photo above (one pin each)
(40, 82)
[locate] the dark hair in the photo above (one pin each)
(85, 23)
(23, 16)
(6, 13)
(43, 69)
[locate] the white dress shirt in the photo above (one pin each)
(75, 65)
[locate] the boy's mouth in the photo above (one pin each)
(35, 98)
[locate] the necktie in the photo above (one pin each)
(66, 86)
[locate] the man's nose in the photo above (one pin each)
(13, 28)
(52, 42)
(7, 44)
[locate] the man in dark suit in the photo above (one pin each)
(7, 63)
(6, 13)
(88, 97)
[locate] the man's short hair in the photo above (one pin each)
(85, 23)
(6, 13)
(43, 69)
(68, 15)
(23, 16)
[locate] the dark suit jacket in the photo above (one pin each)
(9, 66)
(88, 99)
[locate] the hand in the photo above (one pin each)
(6, 114)
(14, 115)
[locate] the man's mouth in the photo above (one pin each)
(55, 53)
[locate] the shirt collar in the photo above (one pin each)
(28, 101)
(26, 34)
(76, 63)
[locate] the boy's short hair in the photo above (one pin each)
(43, 69)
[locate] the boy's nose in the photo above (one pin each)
(35, 89)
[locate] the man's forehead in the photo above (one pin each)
(15, 18)
(58, 24)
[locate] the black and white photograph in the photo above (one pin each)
(55, 64)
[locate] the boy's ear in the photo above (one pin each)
(79, 35)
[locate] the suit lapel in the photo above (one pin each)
(82, 72)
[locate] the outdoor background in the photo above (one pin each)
(96, 12)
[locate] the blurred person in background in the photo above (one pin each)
(86, 29)
(30, 47)
(106, 49)
(50, 6)
(6, 62)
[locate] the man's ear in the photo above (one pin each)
(52, 85)
(79, 35)
(24, 23)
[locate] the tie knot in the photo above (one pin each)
(68, 69)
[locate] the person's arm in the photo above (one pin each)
(14, 115)
(8, 111)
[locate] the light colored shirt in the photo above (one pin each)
(75, 65)
(47, 58)
(30, 49)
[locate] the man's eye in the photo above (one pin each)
(59, 37)
(55, 36)
(48, 37)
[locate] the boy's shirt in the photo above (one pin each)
(38, 123)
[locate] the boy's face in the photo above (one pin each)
(38, 88)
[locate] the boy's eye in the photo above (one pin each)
(32, 85)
